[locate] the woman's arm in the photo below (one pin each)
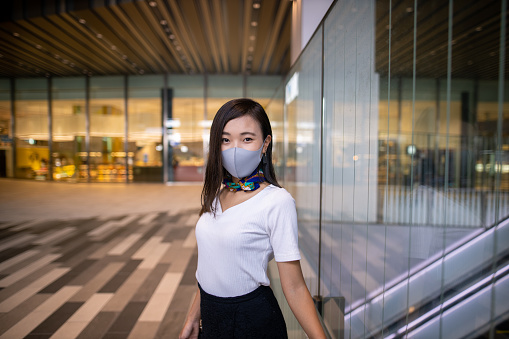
(192, 325)
(299, 299)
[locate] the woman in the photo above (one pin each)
(242, 226)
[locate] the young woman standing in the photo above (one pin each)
(246, 220)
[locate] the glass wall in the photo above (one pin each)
(32, 129)
(145, 134)
(118, 128)
(397, 158)
(69, 155)
(187, 129)
(6, 169)
(107, 130)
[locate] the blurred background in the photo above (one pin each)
(390, 122)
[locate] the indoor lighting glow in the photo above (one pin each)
(184, 149)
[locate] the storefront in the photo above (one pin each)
(152, 128)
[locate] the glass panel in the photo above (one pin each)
(107, 130)
(145, 143)
(415, 143)
(188, 135)
(275, 111)
(220, 89)
(31, 115)
(262, 87)
(6, 169)
(302, 172)
(69, 156)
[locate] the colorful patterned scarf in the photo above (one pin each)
(250, 183)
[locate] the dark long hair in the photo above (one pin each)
(215, 172)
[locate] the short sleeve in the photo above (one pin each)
(283, 227)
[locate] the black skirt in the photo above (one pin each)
(253, 315)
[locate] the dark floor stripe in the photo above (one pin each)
(55, 320)
(126, 320)
(114, 283)
(66, 278)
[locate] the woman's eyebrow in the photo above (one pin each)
(243, 133)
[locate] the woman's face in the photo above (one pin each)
(244, 132)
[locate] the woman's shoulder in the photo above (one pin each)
(279, 193)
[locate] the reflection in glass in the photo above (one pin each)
(31, 119)
(6, 169)
(107, 129)
(414, 192)
(145, 144)
(68, 157)
(188, 130)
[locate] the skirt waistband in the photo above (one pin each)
(262, 289)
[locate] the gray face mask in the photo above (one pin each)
(240, 162)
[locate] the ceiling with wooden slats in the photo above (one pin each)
(474, 43)
(76, 37)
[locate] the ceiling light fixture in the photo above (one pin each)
(15, 34)
(152, 4)
(163, 22)
(252, 37)
(254, 23)
(82, 21)
(99, 36)
(256, 5)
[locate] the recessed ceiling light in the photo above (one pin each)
(478, 29)
(409, 10)
(114, 48)
(171, 36)
(256, 5)
(38, 46)
(254, 23)
(163, 22)
(82, 21)
(152, 4)
(99, 36)
(124, 57)
(250, 49)
(15, 34)
(252, 37)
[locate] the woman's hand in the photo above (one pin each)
(192, 326)
(190, 330)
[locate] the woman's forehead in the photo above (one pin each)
(245, 123)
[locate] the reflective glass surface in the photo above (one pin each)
(32, 129)
(145, 135)
(6, 169)
(403, 200)
(107, 130)
(69, 156)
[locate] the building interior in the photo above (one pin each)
(390, 123)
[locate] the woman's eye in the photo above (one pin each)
(248, 139)
(225, 140)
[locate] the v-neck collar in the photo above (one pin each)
(220, 207)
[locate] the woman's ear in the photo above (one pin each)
(266, 143)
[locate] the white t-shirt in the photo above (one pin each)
(235, 246)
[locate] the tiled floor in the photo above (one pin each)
(89, 271)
